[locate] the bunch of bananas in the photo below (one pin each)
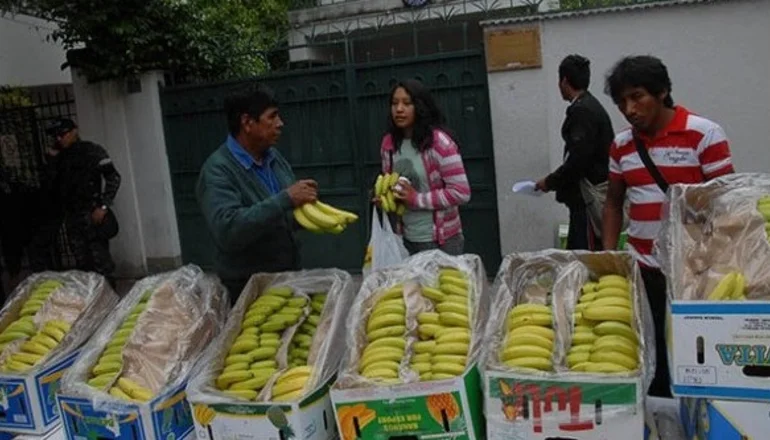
(385, 329)
(299, 349)
(290, 384)
(319, 217)
(250, 361)
(529, 339)
(445, 335)
(33, 351)
(604, 339)
(731, 287)
(203, 414)
(763, 206)
(383, 189)
(24, 326)
(110, 364)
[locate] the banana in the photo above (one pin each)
(589, 287)
(450, 307)
(609, 313)
(314, 319)
(428, 331)
(262, 353)
(53, 332)
(107, 367)
(102, 380)
(422, 357)
(347, 217)
(539, 320)
(395, 292)
(451, 289)
(256, 383)
(616, 328)
(379, 373)
(269, 337)
(531, 339)
(243, 346)
(112, 350)
(238, 358)
(740, 286)
(580, 367)
(452, 319)
(447, 368)
(303, 341)
(421, 367)
(35, 347)
(378, 185)
(10, 336)
(449, 337)
(452, 330)
(613, 292)
(294, 395)
(581, 338)
(393, 180)
(380, 356)
(452, 272)
(117, 357)
(450, 358)
(119, 394)
(238, 366)
(27, 358)
(456, 348)
(264, 365)
(23, 326)
(457, 299)
(242, 394)
(612, 278)
(604, 367)
(446, 280)
(427, 318)
(536, 363)
(303, 371)
(433, 294)
(382, 309)
(577, 357)
(616, 343)
(529, 309)
(613, 283)
(424, 347)
(519, 351)
(611, 301)
(134, 390)
(391, 201)
(532, 329)
(582, 348)
(387, 365)
(16, 366)
(282, 292)
(615, 357)
(396, 330)
(60, 324)
(588, 297)
(382, 321)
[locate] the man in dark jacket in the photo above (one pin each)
(82, 183)
(247, 193)
(587, 134)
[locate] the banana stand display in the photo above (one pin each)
(716, 255)
(129, 381)
(267, 376)
(44, 324)
(413, 342)
(566, 348)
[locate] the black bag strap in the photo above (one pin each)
(650, 165)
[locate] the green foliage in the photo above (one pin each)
(12, 97)
(194, 39)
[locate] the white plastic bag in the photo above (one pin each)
(386, 248)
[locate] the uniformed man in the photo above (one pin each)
(83, 182)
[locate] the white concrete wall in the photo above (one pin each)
(26, 58)
(718, 57)
(130, 127)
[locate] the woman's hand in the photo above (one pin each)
(405, 192)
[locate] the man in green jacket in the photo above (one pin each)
(247, 192)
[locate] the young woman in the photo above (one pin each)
(418, 147)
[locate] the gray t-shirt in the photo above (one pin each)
(418, 223)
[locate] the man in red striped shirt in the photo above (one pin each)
(682, 148)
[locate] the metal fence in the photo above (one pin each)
(24, 116)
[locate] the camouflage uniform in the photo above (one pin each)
(82, 178)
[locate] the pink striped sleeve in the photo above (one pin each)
(451, 171)
(385, 147)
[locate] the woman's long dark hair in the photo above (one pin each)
(427, 116)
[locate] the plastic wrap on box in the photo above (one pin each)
(419, 270)
(714, 228)
(82, 300)
(185, 311)
(527, 278)
(325, 349)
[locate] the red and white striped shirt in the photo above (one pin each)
(691, 150)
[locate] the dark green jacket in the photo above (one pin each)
(253, 231)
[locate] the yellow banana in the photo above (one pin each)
(106, 367)
(243, 346)
(382, 321)
(529, 309)
(24, 326)
(451, 348)
(119, 394)
(609, 313)
(617, 343)
(424, 346)
(539, 320)
(615, 358)
(433, 294)
(447, 368)
(460, 283)
(532, 329)
(238, 358)
(451, 289)
(134, 390)
(284, 292)
(370, 352)
(379, 373)
(380, 357)
(587, 297)
(610, 301)
(35, 347)
(577, 358)
(383, 309)
(581, 348)
(347, 217)
(613, 292)
(421, 367)
(452, 272)
(53, 332)
(450, 307)
(616, 328)
(427, 318)
(264, 365)
(604, 367)
(378, 185)
(589, 287)
(60, 324)
(292, 373)
(519, 351)
(450, 358)
(612, 278)
(12, 336)
(238, 366)
(396, 330)
(386, 365)
(102, 380)
(226, 379)
(27, 358)
(427, 331)
(393, 180)
(740, 286)
(288, 397)
(257, 383)
(422, 357)
(451, 319)
(262, 353)
(453, 334)
(580, 338)
(318, 217)
(531, 339)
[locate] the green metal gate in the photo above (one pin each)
(335, 117)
